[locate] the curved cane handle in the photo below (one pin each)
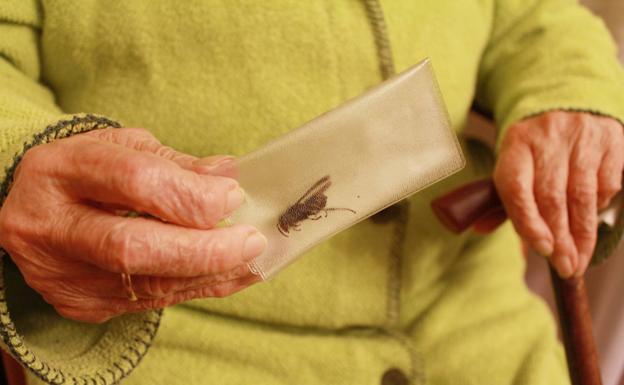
(461, 208)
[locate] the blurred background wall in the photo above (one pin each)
(612, 11)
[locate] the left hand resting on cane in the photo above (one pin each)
(554, 172)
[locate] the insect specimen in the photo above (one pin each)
(310, 206)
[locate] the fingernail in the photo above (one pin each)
(254, 245)
(213, 161)
(235, 198)
(544, 248)
(564, 267)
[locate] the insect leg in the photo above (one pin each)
(282, 231)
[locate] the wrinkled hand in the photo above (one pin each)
(61, 224)
(554, 172)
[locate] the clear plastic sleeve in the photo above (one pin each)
(346, 165)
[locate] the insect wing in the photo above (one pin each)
(318, 188)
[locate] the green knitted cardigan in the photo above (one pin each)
(518, 74)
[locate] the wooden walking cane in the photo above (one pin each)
(461, 208)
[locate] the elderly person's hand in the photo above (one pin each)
(61, 224)
(554, 172)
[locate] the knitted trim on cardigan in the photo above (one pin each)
(380, 32)
(135, 349)
(398, 213)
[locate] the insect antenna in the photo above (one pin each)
(339, 208)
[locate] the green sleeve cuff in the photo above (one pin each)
(55, 349)
(580, 95)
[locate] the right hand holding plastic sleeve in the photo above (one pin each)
(61, 225)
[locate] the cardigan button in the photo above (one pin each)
(394, 376)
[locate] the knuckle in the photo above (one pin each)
(517, 133)
(133, 171)
(209, 200)
(581, 195)
(193, 203)
(609, 188)
(217, 256)
(117, 246)
(165, 152)
(516, 201)
(213, 207)
(34, 159)
(515, 186)
(584, 228)
(139, 176)
(586, 235)
(551, 199)
(508, 183)
(525, 226)
(219, 250)
(205, 204)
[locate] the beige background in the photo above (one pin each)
(612, 11)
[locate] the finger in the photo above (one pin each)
(582, 201)
(513, 176)
(151, 287)
(551, 180)
(610, 175)
(142, 140)
(82, 280)
(113, 174)
(99, 310)
(150, 247)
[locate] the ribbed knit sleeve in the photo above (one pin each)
(56, 350)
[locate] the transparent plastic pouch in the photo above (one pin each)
(346, 165)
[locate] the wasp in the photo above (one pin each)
(310, 206)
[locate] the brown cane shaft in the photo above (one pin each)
(576, 329)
